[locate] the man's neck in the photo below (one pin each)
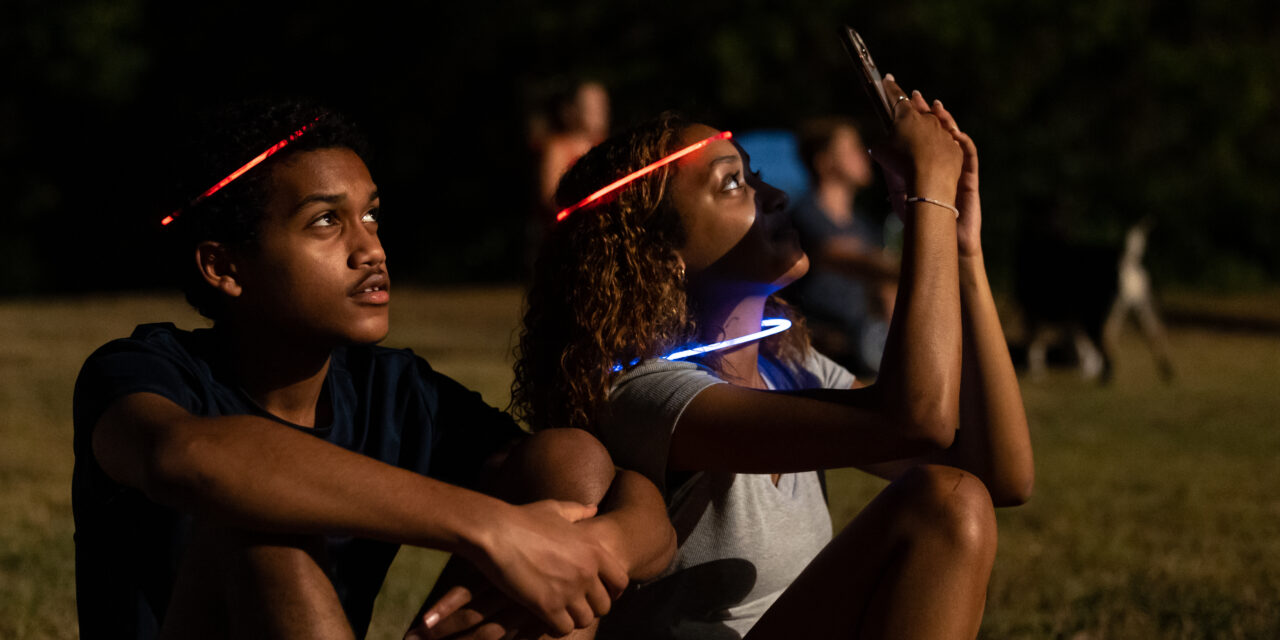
(835, 198)
(284, 375)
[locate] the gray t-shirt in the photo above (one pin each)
(742, 539)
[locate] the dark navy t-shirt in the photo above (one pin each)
(387, 404)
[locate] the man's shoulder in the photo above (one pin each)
(157, 337)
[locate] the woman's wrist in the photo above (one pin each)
(929, 187)
(972, 266)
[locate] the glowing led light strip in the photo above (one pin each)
(773, 326)
(239, 172)
(620, 182)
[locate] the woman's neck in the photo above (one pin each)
(726, 319)
(283, 374)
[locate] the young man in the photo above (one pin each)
(256, 479)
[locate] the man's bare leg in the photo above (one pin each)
(235, 584)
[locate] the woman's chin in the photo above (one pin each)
(797, 271)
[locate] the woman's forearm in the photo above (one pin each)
(920, 374)
(993, 441)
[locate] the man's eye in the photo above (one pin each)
(371, 215)
(326, 219)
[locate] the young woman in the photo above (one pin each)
(692, 253)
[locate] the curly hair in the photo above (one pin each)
(227, 139)
(608, 290)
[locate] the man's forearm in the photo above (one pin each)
(253, 473)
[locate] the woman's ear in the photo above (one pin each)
(218, 267)
(679, 264)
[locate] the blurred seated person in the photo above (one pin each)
(848, 294)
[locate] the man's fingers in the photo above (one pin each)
(446, 606)
(479, 610)
(508, 624)
(581, 612)
(613, 575)
(561, 623)
(599, 599)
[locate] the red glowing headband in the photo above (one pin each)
(620, 182)
(239, 172)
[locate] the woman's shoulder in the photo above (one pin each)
(812, 370)
(662, 381)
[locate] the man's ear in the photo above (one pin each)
(218, 267)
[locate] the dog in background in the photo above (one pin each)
(1076, 298)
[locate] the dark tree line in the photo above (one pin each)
(1089, 114)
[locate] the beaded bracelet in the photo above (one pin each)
(934, 202)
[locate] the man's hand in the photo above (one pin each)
(558, 571)
(474, 610)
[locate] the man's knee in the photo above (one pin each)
(562, 464)
(951, 503)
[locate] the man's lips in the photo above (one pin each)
(374, 288)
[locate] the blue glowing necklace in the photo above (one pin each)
(769, 327)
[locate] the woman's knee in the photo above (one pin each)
(951, 503)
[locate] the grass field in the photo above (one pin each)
(1156, 512)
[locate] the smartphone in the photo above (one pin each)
(868, 76)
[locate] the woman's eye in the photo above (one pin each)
(371, 215)
(733, 181)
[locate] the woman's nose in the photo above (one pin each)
(772, 199)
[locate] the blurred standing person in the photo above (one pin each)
(563, 130)
(852, 280)
(573, 122)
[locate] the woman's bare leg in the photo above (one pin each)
(913, 564)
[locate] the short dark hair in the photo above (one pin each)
(227, 139)
(815, 136)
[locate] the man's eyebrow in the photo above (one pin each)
(373, 196)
